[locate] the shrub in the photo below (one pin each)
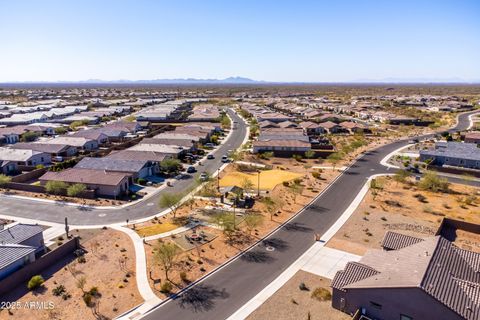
(286, 183)
(431, 181)
(87, 298)
(142, 181)
(35, 282)
(316, 175)
(55, 187)
(166, 287)
(183, 276)
(302, 286)
(321, 294)
(58, 290)
(81, 259)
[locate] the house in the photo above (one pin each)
(267, 124)
(458, 154)
(136, 168)
(55, 150)
(10, 135)
(312, 128)
(80, 143)
(187, 144)
(172, 151)
(330, 127)
(281, 147)
(353, 127)
(107, 184)
(428, 278)
(18, 246)
(10, 159)
(92, 134)
(472, 137)
(139, 155)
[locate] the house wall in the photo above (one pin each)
(41, 158)
(412, 302)
(451, 161)
(36, 242)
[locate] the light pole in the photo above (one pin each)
(258, 184)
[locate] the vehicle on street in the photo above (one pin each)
(224, 159)
(210, 157)
(191, 169)
(209, 145)
(203, 176)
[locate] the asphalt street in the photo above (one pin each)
(223, 292)
(91, 216)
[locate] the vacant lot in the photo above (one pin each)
(405, 208)
(290, 302)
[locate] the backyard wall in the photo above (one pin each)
(22, 276)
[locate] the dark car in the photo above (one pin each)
(210, 157)
(191, 169)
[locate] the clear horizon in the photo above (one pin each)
(301, 41)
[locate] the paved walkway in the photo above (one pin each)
(325, 261)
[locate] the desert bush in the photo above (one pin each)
(321, 294)
(166, 287)
(35, 282)
(58, 290)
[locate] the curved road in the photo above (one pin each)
(57, 212)
(219, 295)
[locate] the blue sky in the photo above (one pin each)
(312, 41)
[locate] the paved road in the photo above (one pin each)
(221, 294)
(88, 216)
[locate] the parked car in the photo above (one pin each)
(209, 145)
(191, 169)
(210, 157)
(224, 159)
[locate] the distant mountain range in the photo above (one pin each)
(230, 80)
(243, 80)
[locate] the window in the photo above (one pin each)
(376, 305)
(404, 317)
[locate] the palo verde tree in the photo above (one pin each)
(166, 254)
(171, 201)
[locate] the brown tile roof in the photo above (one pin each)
(352, 273)
(87, 176)
(137, 155)
(281, 143)
(394, 240)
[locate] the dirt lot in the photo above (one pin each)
(289, 302)
(406, 209)
(102, 269)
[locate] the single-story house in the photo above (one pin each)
(173, 151)
(10, 159)
(330, 127)
(54, 150)
(78, 142)
(427, 278)
(280, 147)
(353, 127)
(107, 184)
(18, 246)
(139, 155)
(466, 155)
(311, 127)
(472, 137)
(92, 134)
(136, 168)
(186, 144)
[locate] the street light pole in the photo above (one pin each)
(258, 184)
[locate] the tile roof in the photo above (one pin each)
(394, 240)
(109, 164)
(11, 253)
(19, 233)
(137, 155)
(87, 176)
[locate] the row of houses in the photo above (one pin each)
(113, 175)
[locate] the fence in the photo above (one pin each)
(28, 176)
(448, 228)
(38, 266)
